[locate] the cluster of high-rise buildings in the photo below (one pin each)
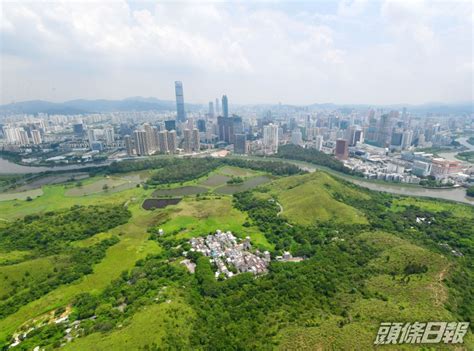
(371, 141)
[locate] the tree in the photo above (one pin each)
(470, 191)
(105, 187)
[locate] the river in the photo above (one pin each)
(8, 167)
(452, 154)
(454, 194)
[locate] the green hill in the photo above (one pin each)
(311, 198)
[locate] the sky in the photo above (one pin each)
(293, 52)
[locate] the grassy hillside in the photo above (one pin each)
(367, 261)
(308, 199)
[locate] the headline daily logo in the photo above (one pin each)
(421, 333)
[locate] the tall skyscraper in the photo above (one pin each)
(407, 139)
(36, 136)
(163, 141)
(128, 144)
(181, 114)
(196, 140)
(270, 138)
(384, 131)
(342, 149)
(211, 109)
(218, 109)
(150, 137)
(318, 142)
(225, 106)
(91, 136)
(172, 141)
(187, 140)
(141, 144)
(109, 135)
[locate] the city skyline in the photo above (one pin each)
(359, 52)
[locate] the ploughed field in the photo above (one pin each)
(96, 270)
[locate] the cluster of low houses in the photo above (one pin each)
(233, 256)
(230, 256)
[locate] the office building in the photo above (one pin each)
(201, 125)
(170, 125)
(270, 138)
(225, 106)
(240, 145)
(342, 149)
(78, 129)
(181, 114)
(211, 109)
(218, 110)
(421, 168)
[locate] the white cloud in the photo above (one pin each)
(405, 51)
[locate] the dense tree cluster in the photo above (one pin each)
(470, 191)
(295, 152)
(78, 262)
(47, 232)
(300, 240)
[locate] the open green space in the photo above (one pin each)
(21, 195)
(311, 198)
(197, 217)
(367, 259)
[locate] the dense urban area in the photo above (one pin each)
(394, 145)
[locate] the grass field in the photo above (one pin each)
(21, 195)
(192, 217)
(32, 270)
(309, 198)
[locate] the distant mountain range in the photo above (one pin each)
(138, 103)
(90, 106)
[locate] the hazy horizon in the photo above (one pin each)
(297, 53)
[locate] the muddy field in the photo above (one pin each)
(150, 204)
